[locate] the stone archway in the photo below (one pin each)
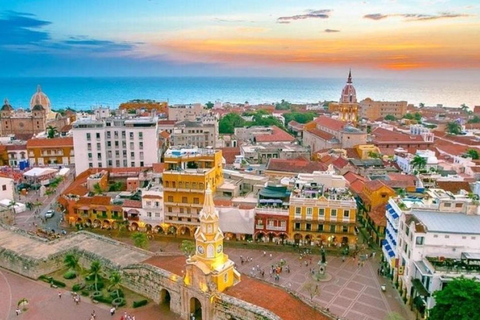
(158, 229)
(195, 308)
(165, 299)
(184, 231)
(297, 237)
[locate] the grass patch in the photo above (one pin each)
(141, 303)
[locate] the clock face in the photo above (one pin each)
(219, 248)
(200, 249)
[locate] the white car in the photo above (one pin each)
(49, 213)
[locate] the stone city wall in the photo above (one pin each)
(227, 308)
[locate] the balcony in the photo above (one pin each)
(259, 226)
(136, 218)
(272, 211)
(276, 228)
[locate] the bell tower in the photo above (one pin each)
(214, 271)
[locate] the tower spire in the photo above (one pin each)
(349, 76)
(39, 88)
(208, 210)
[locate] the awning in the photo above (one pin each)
(418, 285)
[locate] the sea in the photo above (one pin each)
(86, 93)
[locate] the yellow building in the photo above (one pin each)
(347, 107)
(367, 151)
(374, 110)
(50, 151)
(185, 179)
(97, 211)
(214, 271)
(325, 217)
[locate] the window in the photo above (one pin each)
(149, 214)
(447, 236)
(308, 226)
(170, 198)
(419, 241)
(297, 225)
(131, 135)
(184, 200)
(141, 145)
(196, 201)
(90, 165)
(346, 213)
(309, 212)
(4, 187)
(321, 212)
(458, 205)
(116, 144)
(169, 209)
(99, 146)
(334, 213)
(109, 135)
(89, 156)
(131, 145)
(140, 135)
(89, 146)
(332, 229)
(182, 210)
(345, 229)
(298, 211)
(132, 164)
(435, 235)
(97, 135)
(109, 144)
(320, 227)
(99, 164)
(447, 204)
(89, 136)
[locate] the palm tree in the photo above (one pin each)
(115, 279)
(464, 107)
(95, 269)
(11, 206)
(97, 189)
(51, 132)
(454, 127)
(71, 262)
(418, 162)
(472, 153)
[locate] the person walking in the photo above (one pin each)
(59, 295)
(112, 311)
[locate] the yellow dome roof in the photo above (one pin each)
(40, 98)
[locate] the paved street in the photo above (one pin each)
(44, 303)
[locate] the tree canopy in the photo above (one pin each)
(418, 162)
(300, 117)
(390, 117)
(140, 240)
(209, 105)
(188, 247)
(475, 119)
(454, 127)
(458, 300)
(229, 122)
(472, 153)
(283, 105)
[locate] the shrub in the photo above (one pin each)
(84, 293)
(141, 303)
(96, 295)
(46, 279)
(59, 284)
(118, 302)
(78, 286)
(91, 286)
(117, 294)
(103, 299)
(70, 274)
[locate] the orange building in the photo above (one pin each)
(97, 211)
(50, 151)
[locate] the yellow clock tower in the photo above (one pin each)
(218, 271)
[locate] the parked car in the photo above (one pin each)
(49, 214)
(22, 186)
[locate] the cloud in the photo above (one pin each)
(416, 16)
(24, 32)
(19, 28)
(375, 16)
(331, 30)
(311, 14)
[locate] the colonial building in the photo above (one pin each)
(329, 133)
(185, 179)
(202, 133)
(56, 151)
(374, 110)
(189, 112)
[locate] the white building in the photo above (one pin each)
(115, 142)
(6, 188)
(433, 249)
(404, 159)
(152, 205)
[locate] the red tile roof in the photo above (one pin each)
(351, 177)
(165, 134)
(277, 135)
(383, 136)
(295, 165)
(16, 147)
(158, 167)
(340, 163)
(321, 134)
(230, 153)
(295, 125)
(327, 122)
(55, 142)
(95, 200)
(357, 186)
(66, 128)
(374, 184)
(275, 299)
(454, 186)
(222, 202)
(132, 204)
(377, 215)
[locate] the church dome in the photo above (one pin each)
(6, 106)
(40, 98)
(349, 95)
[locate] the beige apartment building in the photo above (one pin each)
(373, 110)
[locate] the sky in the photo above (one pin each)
(426, 39)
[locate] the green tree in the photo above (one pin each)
(417, 116)
(390, 117)
(51, 132)
(464, 107)
(475, 119)
(421, 105)
(283, 105)
(115, 280)
(72, 263)
(418, 162)
(458, 300)
(408, 116)
(140, 239)
(472, 153)
(97, 189)
(229, 122)
(94, 271)
(187, 247)
(209, 105)
(454, 127)
(300, 117)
